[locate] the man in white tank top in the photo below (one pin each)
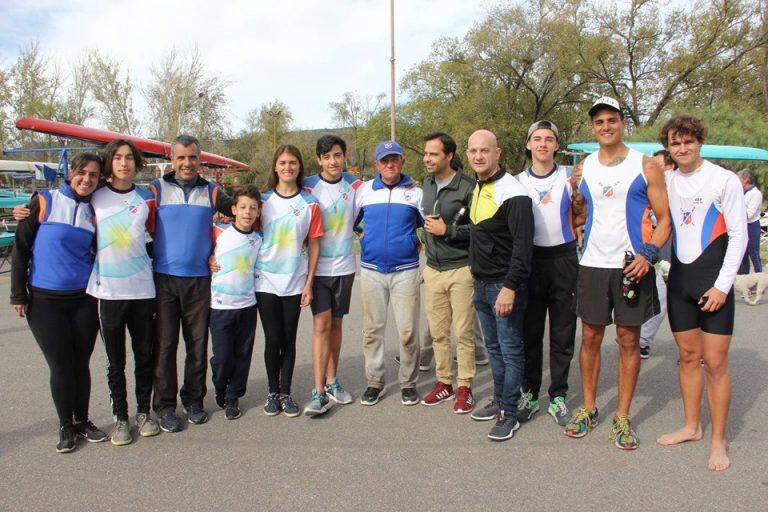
(710, 237)
(618, 189)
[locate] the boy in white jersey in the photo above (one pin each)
(710, 237)
(554, 269)
(233, 301)
(618, 187)
(332, 288)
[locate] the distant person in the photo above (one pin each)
(753, 199)
(389, 209)
(501, 244)
(616, 280)
(335, 191)
(52, 262)
(707, 206)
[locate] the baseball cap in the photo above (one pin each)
(604, 102)
(388, 147)
(543, 125)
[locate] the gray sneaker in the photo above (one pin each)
(288, 406)
(272, 405)
(146, 426)
(317, 405)
(121, 433)
(504, 428)
(486, 413)
(559, 411)
(527, 407)
(337, 393)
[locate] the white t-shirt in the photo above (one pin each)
(122, 269)
(551, 198)
(753, 200)
(234, 285)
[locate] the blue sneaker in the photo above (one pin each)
(318, 404)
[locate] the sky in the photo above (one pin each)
(305, 53)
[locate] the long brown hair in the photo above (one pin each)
(272, 180)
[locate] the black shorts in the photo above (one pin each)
(599, 300)
(685, 287)
(334, 293)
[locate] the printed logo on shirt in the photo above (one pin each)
(608, 189)
(698, 201)
(687, 217)
(545, 196)
(133, 210)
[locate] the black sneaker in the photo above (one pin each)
(272, 405)
(221, 400)
(409, 396)
(232, 409)
(196, 415)
(90, 432)
(170, 422)
(67, 440)
(371, 396)
(645, 352)
(289, 407)
(504, 428)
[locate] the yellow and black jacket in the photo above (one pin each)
(501, 236)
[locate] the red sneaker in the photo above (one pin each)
(465, 402)
(440, 393)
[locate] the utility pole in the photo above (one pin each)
(392, 72)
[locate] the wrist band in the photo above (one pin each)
(651, 253)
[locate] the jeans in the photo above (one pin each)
(504, 341)
(753, 249)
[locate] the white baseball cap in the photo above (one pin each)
(604, 102)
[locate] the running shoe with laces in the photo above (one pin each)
(337, 393)
(527, 407)
(232, 409)
(318, 404)
(408, 396)
(67, 439)
(289, 407)
(623, 435)
(196, 415)
(464, 400)
(146, 426)
(558, 410)
(170, 422)
(371, 396)
(488, 412)
(90, 432)
(221, 400)
(645, 352)
(505, 427)
(121, 433)
(272, 405)
(581, 423)
(439, 393)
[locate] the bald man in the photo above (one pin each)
(501, 243)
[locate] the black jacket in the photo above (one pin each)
(451, 250)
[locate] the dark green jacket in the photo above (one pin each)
(451, 250)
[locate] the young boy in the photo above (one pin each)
(233, 301)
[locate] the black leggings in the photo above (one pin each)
(280, 320)
(65, 329)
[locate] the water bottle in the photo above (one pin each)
(629, 288)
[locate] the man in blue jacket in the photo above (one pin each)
(389, 210)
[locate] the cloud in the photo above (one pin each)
(305, 53)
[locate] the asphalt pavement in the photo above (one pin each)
(387, 457)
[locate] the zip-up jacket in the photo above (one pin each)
(450, 250)
(501, 237)
(184, 223)
(390, 217)
(53, 249)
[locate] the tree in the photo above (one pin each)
(77, 108)
(113, 90)
(354, 112)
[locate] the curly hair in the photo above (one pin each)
(683, 125)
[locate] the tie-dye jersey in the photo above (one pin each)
(122, 269)
(336, 200)
(618, 211)
(286, 223)
(233, 286)
(706, 204)
(551, 197)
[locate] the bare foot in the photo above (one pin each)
(681, 435)
(718, 458)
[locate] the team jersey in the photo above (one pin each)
(234, 285)
(708, 204)
(122, 269)
(336, 201)
(618, 210)
(286, 223)
(551, 197)
(753, 200)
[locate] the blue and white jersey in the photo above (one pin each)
(234, 285)
(618, 217)
(551, 198)
(390, 217)
(62, 256)
(337, 201)
(182, 243)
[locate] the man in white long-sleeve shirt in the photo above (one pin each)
(707, 207)
(753, 201)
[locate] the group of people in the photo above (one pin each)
(501, 254)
